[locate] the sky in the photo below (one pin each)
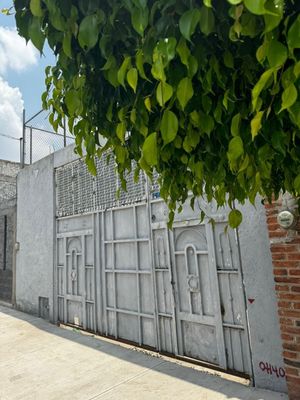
(22, 71)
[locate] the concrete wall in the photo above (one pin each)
(260, 299)
(36, 233)
(8, 173)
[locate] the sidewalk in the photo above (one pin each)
(39, 361)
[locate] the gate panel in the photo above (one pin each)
(128, 283)
(231, 298)
(197, 314)
(164, 289)
(75, 272)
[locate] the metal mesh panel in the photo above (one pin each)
(40, 140)
(79, 192)
(154, 188)
(135, 191)
(64, 183)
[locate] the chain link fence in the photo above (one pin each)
(39, 139)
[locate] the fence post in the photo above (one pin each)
(22, 142)
(65, 133)
(30, 162)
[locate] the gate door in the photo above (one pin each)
(128, 290)
(199, 324)
(75, 272)
(210, 311)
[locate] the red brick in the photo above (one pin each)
(288, 313)
(277, 234)
(282, 288)
(283, 248)
(291, 329)
(291, 346)
(295, 289)
(286, 264)
(288, 280)
(289, 354)
(286, 321)
(294, 272)
(279, 256)
(292, 371)
(288, 296)
(293, 256)
(286, 337)
(280, 271)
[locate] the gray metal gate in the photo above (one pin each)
(120, 272)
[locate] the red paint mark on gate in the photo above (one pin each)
(270, 369)
(251, 301)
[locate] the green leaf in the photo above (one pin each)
(234, 2)
(150, 149)
(293, 37)
(122, 71)
(169, 126)
(235, 149)
(183, 51)
(235, 125)
(147, 103)
(139, 60)
(139, 19)
(88, 32)
(188, 23)
(132, 78)
(164, 92)
(73, 102)
(207, 20)
(289, 97)
(121, 131)
(297, 184)
(235, 217)
(35, 8)
(256, 6)
(67, 44)
(258, 88)
(256, 124)
(35, 33)
(276, 54)
(207, 3)
(185, 92)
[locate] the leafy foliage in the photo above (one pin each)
(206, 92)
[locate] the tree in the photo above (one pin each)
(206, 92)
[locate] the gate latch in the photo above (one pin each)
(193, 283)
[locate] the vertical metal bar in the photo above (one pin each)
(65, 282)
(245, 311)
(114, 271)
(30, 145)
(23, 141)
(65, 132)
(94, 271)
(5, 243)
(175, 293)
(153, 266)
(103, 268)
(83, 275)
(138, 289)
(21, 152)
(213, 274)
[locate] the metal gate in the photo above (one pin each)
(120, 272)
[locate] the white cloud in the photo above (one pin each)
(11, 106)
(15, 55)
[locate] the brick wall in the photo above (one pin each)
(285, 249)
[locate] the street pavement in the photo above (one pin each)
(41, 361)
